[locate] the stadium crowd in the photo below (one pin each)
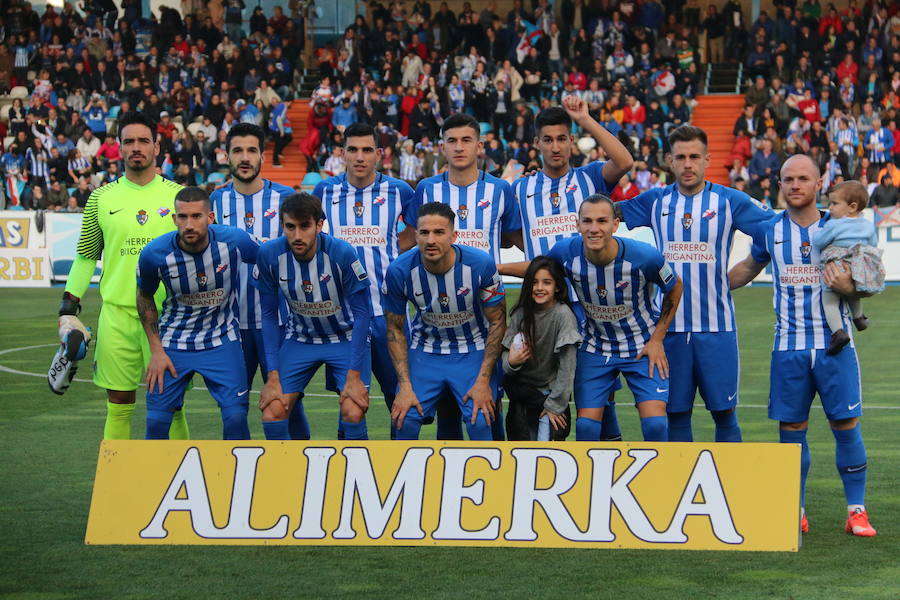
(820, 81)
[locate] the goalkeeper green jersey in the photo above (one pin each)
(119, 220)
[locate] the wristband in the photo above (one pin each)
(70, 305)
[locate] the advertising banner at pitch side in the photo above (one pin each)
(388, 493)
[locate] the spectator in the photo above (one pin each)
(625, 189)
(280, 129)
(886, 195)
(109, 152)
(765, 164)
(82, 192)
(879, 142)
(57, 196)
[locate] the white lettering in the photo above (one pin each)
(453, 493)
(705, 479)
(476, 238)
(314, 493)
(196, 501)
(553, 225)
(526, 495)
(359, 480)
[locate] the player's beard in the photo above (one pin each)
(148, 162)
(235, 173)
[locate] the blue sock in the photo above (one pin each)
(655, 429)
(850, 457)
(297, 423)
(234, 422)
(609, 430)
(276, 430)
(158, 423)
(354, 431)
(727, 428)
(587, 430)
(680, 427)
(799, 437)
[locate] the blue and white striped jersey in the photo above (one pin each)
(484, 209)
(549, 207)
(200, 309)
(367, 218)
(257, 215)
(317, 291)
(617, 298)
(797, 281)
(450, 307)
(695, 234)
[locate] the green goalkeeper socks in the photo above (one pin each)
(179, 429)
(118, 421)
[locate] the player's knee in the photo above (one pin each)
(480, 430)
(797, 426)
(844, 424)
(275, 411)
(410, 429)
(158, 424)
(121, 397)
(352, 413)
(724, 418)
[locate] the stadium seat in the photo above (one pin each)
(193, 127)
(20, 91)
(114, 112)
(4, 112)
(485, 128)
(216, 178)
(8, 140)
(310, 180)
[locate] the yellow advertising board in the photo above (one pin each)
(383, 493)
(24, 268)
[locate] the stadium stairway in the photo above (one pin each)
(716, 114)
(293, 161)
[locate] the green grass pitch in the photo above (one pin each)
(48, 448)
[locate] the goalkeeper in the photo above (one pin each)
(119, 220)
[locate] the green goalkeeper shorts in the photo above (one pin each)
(122, 351)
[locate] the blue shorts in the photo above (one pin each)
(596, 376)
(578, 309)
(298, 363)
(432, 375)
(254, 357)
(797, 375)
(708, 361)
(222, 369)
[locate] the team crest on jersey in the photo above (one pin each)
(201, 278)
(621, 285)
(221, 268)
(687, 220)
(554, 199)
(325, 278)
(141, 217)
(379, 200)
(307, 286)
(444, 299)
(709, 214)
(463, 292)
(805, 249)
(358, 209)
(484, 203)
(270, 213)
(163, 211)
(601, 291)
(463, 212)
(249, 219)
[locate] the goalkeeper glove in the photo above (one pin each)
(74, 339)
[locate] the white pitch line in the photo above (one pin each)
(6, 369)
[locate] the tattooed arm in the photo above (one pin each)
(397, 347)
(653, 349)
(481, 393)
(159, 360)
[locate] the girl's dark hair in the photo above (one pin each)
(526, 303)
